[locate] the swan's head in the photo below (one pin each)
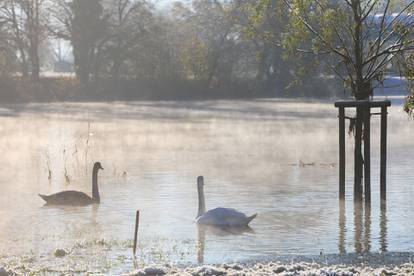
(97, 166)
(200, 181)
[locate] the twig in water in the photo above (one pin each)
(67, 179)
(49, 171)
(87, 147)
(136, 232)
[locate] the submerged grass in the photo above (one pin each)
(101, 256)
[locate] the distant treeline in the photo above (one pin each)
(133, 50)
(18, 90)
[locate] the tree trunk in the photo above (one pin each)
(262, 66)
(24, 65)
(358, 164)
(81, 64)
(361, 89)
(213, 68)
(34, 32)
(19, 42)
(116, 63)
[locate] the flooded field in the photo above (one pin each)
(277, 158)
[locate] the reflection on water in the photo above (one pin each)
(212, 230)
(342, 227)
(383, 227)
(201, 238)
(277, 158)
(367, 226)
(362, 227)
(358, 216)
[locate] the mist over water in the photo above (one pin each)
(274, 157)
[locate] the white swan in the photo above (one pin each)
(218, 216)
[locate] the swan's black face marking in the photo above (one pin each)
(98, 166)
(200, 180)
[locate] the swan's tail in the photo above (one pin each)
(249, 219)
(44, 197)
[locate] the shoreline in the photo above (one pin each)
(393, 263)
(388, 263)
(308, 269)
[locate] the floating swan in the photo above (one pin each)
(218, 216)
(76, 198)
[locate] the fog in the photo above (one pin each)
(274, 157)
(109, 107)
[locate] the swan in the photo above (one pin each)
(76, 198)
(218, 216)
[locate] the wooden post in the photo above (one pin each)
(341, 153)
(358, 155)
(362, 169)
(383, 157)
(367, 154)
(136, 232)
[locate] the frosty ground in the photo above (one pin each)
(380, 264)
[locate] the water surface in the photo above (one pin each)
(277, 158)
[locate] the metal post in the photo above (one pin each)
(341, 153)
(367, 154)
(383, 157)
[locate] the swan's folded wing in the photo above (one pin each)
(74, 198)
(224, 217)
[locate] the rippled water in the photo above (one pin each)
(274, 157)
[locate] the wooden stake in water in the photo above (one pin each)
(341, 117)
(136, 232)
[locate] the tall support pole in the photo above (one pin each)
(358, 155)
(341, 153)
(367, 154)
(362, 160)
(383, 157)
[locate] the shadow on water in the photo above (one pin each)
(75, 210)
(69, 208)
(204, 230)
(362, 227)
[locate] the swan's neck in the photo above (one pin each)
(95, 190)
(201, 203)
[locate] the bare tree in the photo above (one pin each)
(26, 23)
(83, 24)
(358, 39)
